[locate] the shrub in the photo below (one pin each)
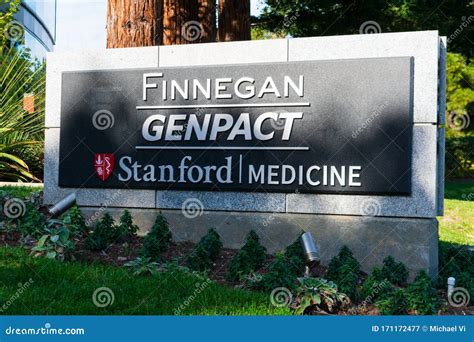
(205, 252)
(319, 293)
(102, 235)
(344, 270)
(279, 275)
(421, 295)
(375, 287)
(459, 159)
(157, 240)
(74, 221)
(142, 266)
(125, 230)
(199, 259)
(255, 250)
(212, 244)
(32, 223)
(55, 243)
(394, 272)
(20, 130)
(295, 256)
(240, 266)
(250, 258)
(454, 260)
(394, 304)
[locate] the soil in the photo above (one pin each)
(120, 253)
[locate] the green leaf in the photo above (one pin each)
(51, 255)
(42, 241)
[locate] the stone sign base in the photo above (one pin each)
(411, 241)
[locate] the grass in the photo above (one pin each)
(70, 290)
(67, 288)
(457, 224)
(18, 191)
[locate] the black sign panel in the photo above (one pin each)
(342, 126)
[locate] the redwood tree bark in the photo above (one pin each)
(207, 19)
(132, 23)
(234, 20)
(180, 22)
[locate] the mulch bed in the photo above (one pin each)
(120, 253)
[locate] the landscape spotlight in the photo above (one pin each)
(63, 205)
(309, 247)
(311, 252)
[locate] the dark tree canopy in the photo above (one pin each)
(303, 18)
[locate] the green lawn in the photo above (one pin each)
(67, 288)
(457, 224)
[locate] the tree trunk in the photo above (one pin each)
(181, 22)
(132, 23)
(234, 20)
(207, 19)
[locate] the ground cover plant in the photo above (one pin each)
(36, 244)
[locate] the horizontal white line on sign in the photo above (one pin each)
(220, 148)
(236, 105)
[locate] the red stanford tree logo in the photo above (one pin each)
(104, 165)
